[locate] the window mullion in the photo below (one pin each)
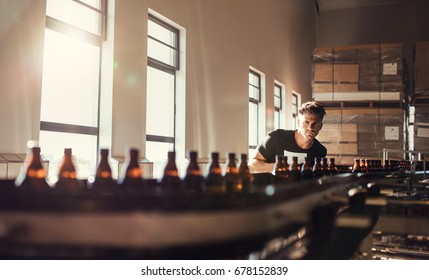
(69, 30)
(100, 11)
(161, 42)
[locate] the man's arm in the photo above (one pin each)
(258, 164)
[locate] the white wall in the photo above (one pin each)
(21, 50)
(224, 38)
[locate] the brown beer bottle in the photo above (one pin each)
(214, 180)
(131, 173)
(67, 176)
(170, 180)
(356, 166)
(103, 175)
(386, 166)
(278, 170)
(295, 169)
(332, 167)
(244, 173)
(369, 165)
(325, 166)
(232, 179)
(363, 163)
(306, 170)
(379, 166)
(281, 171)
(317, 168)
(33, 175)
(193, 181)
(287, 177)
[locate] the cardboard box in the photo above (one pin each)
(343, 95)
(379, 67)
(338, 133)
(336, 73)
(421, 63)
(341, 148)
(368, 125)
(333, 87)
(423, 131)
(421, 144)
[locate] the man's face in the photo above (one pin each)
(309, 125)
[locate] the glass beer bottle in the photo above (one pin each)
(278, 169)
(193, 181)
(356, 166)
(295, 169)
(103, 175)
(287, 176)
(332, 167)
(214, 179)
(170, 181)
(244, 173)
(232, 179)
(131, 173)
(325, 166)
(317, 168)
(33, 175)
(67, 175)
(306, 170)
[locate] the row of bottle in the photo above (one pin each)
(234, 178)
(375, 165)
(285, 172)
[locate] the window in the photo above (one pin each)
(254, 101)
(163, 64)
(256, 108)
(295, 104)
(278, 105)
(74, 33)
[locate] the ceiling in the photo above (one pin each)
(330, 5)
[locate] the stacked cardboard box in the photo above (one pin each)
(421, 97)
(335, 77)
(362, 75)
(421, 129)
(364, 72)
(421, 68)
(362, 133)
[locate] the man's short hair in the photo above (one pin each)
(312, 107)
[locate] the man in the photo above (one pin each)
(301, 142)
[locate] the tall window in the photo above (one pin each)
(163, 64)
(278, 105)
(254, 112)
(70, 86)
(295, 104)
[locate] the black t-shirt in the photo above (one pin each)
(280, 140)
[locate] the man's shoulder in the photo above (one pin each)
(319, 145)
(281, 133)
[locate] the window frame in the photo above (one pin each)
(85, 36)
(278, 109)
(255, 101)
(169, 69)
(157, 63)
(296, 100)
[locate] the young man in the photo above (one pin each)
(301, 142)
